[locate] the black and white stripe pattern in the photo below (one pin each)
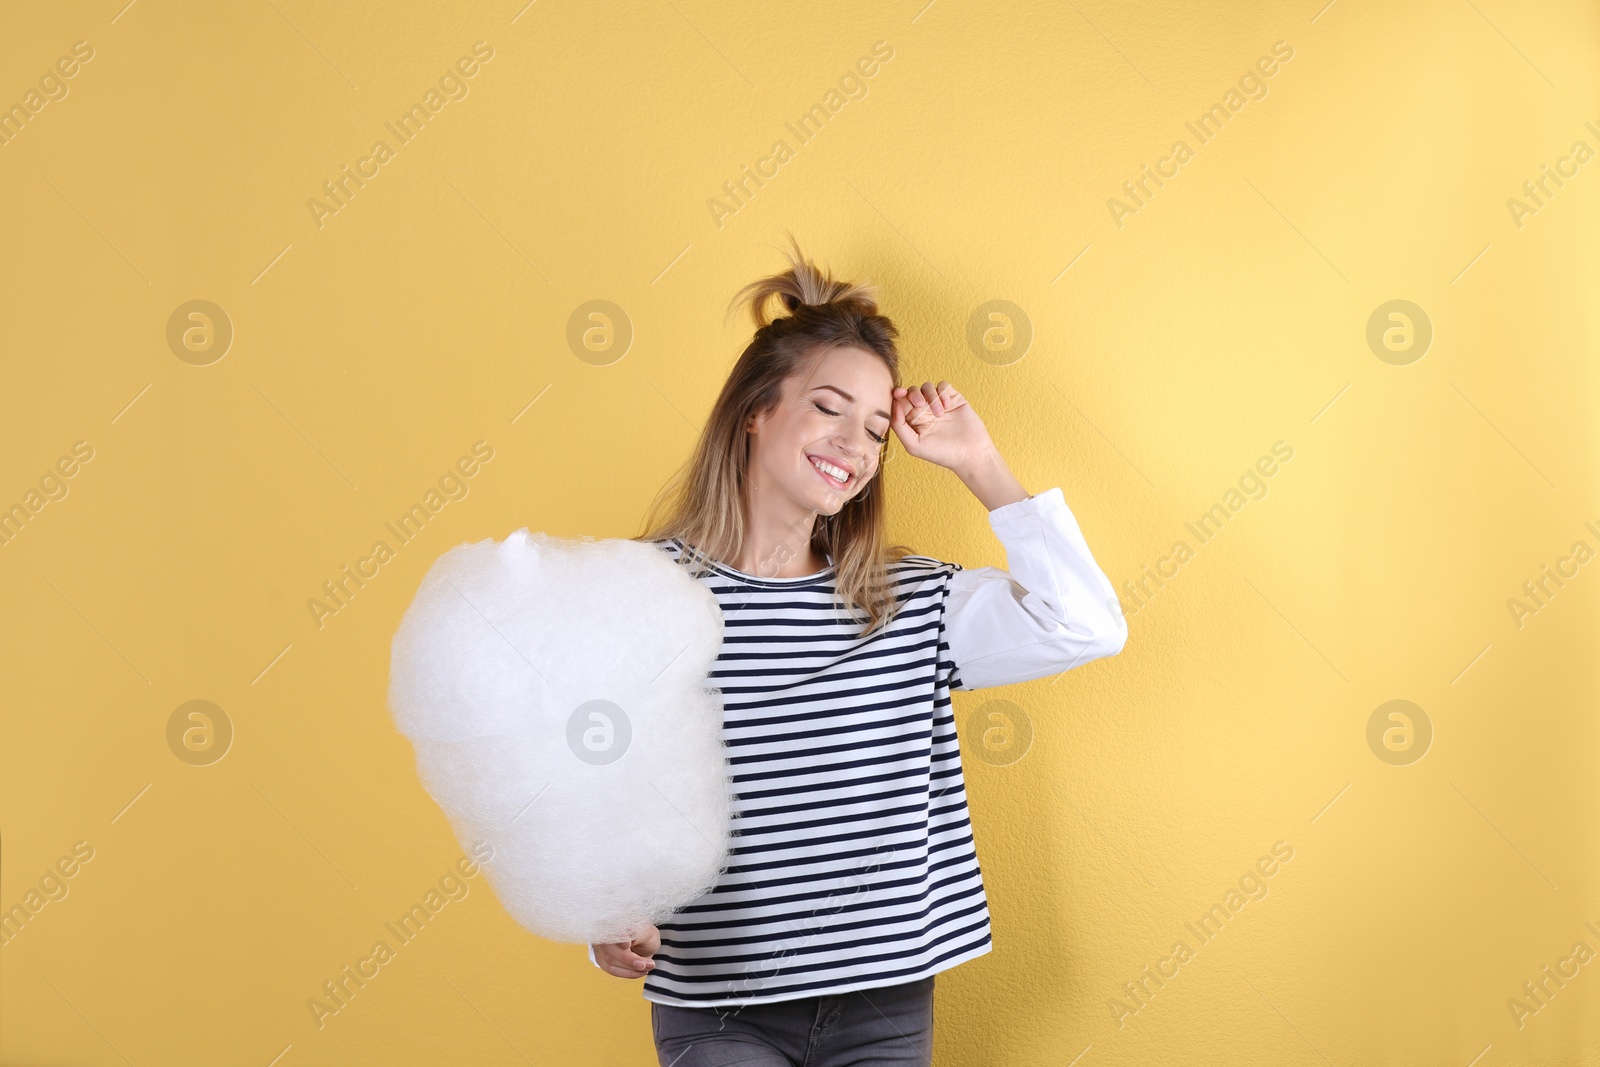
(853, 863)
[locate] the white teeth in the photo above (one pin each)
(829, 469)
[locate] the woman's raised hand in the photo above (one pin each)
(629, 959)
(937, 424)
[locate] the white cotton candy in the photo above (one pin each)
(602, 816)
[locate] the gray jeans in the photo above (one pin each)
(890, 1026)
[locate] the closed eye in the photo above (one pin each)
(825, 411)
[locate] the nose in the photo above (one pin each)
(857, 447)
(855, 442)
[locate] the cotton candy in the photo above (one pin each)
(556, 694)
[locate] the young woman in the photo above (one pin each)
(853, 878)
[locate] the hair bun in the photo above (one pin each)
(804, 285)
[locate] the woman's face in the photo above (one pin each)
(837, 412)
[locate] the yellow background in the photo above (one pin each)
(432, 312)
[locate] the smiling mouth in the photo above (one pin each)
(830, 479)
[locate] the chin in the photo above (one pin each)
(825, 503)
(823, 499)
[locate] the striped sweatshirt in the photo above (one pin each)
(852, 863)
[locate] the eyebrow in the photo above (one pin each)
(848, 397)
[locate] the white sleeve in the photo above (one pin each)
(595, 961)
(1054, 609)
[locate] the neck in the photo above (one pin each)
(777, 541)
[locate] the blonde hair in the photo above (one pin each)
(704, 503)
